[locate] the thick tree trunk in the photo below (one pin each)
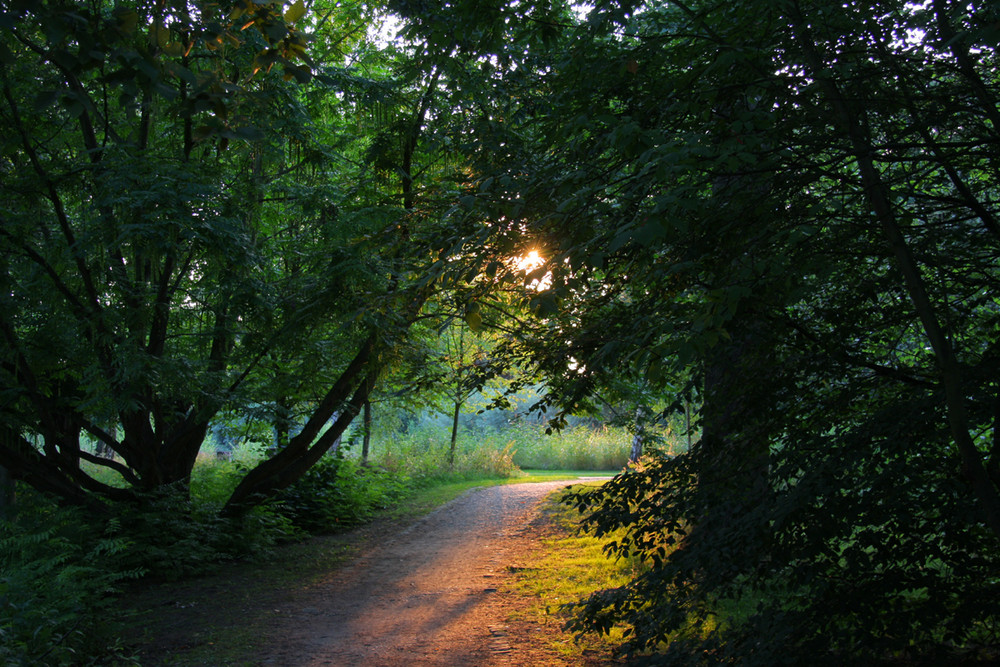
(165, 455)
(740, 459)
(734, 458)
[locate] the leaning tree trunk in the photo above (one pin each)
(341, 403)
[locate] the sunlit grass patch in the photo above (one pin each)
(569, 566)
(577, 448)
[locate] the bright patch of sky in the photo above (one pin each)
(384, 30)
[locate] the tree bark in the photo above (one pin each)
(638, 436)
(454, 434)
(307, 446)
(366, 425)
(733, 457)
(7, 498)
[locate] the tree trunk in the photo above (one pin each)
(454, 434)
(366, 427)
(687, 422)
(637, 438)
(6, 494)
(851, 121)
(733, 483)
(308, 445)
(282, 425)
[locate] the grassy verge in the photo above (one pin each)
(58, 568)
(565, 567)
(219, 619)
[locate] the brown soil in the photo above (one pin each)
(429, 593)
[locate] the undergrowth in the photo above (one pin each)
(572, 565)
(57, 578)
(339, 493)
(61, 568)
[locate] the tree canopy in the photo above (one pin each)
(787, 211)
(784, 212)
(194, 221)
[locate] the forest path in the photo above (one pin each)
(426, 595)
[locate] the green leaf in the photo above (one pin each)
(620, 240)
(45, 99)
(474, 320)
(295, 12)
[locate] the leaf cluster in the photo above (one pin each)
(781, 212)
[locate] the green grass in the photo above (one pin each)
(421, 454)
(231, 641)
(425, 500)
(570, 566)
(423, 450)
(415, 464)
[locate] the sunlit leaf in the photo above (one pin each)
(295, 12)
(474, 320)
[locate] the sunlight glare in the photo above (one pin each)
(529, 262)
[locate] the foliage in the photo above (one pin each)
(56, 579)
(855, 566)
(339, 493)
(193, 228)
(782, 213)
(172, 535)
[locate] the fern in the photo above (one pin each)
(57, 575)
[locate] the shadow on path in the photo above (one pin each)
(424, 596)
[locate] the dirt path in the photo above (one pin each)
(424, 596)
(428, 593)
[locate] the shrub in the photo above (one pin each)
(173, 536)
(339, 493)
(56, 577)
